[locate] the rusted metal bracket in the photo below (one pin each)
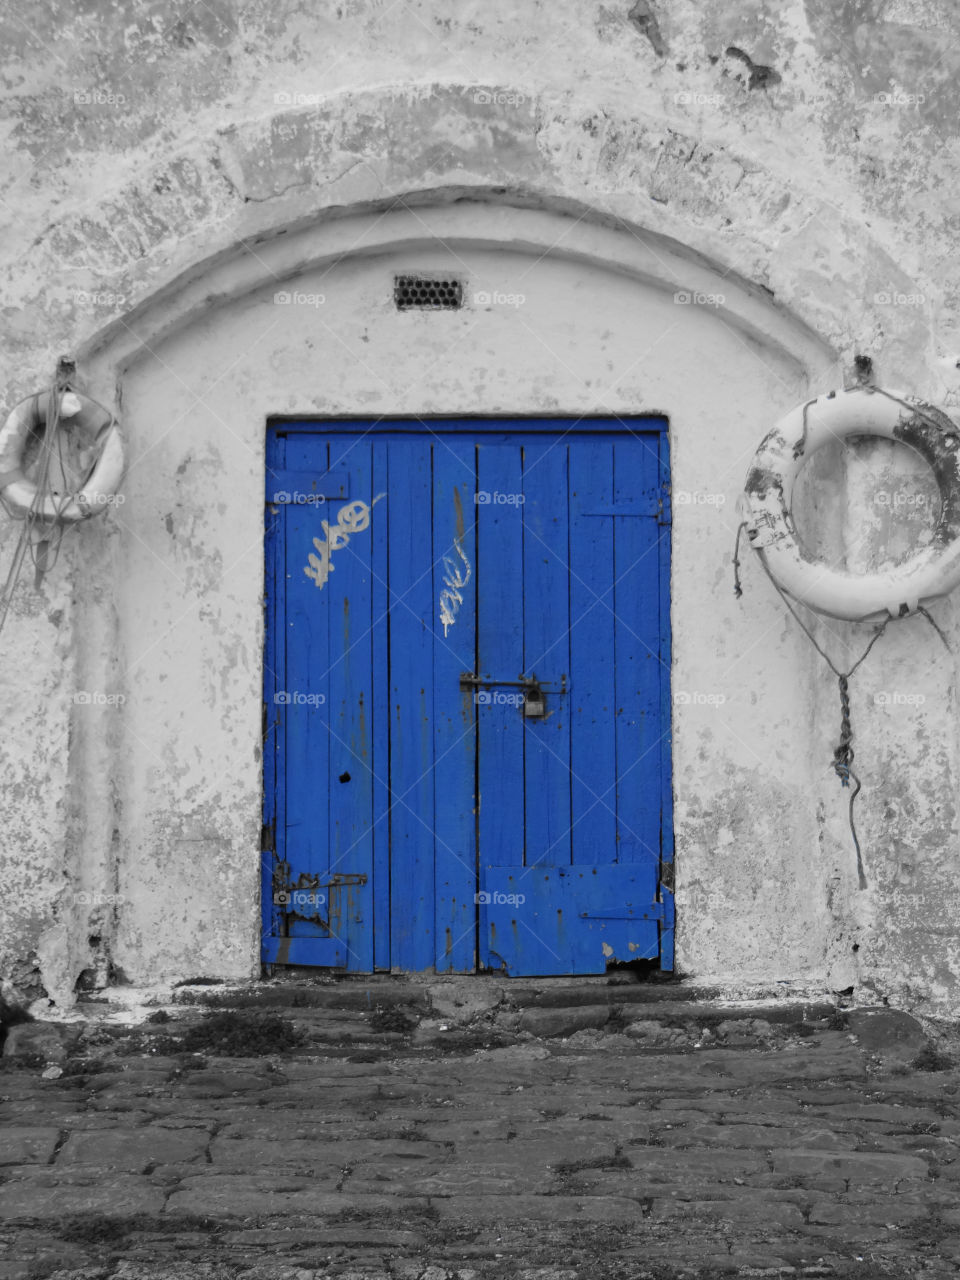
(291, 896)
(469, 680)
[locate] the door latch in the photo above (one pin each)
(470, 680)
(533, 699)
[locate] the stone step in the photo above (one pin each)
(278, 994)
(384, 992)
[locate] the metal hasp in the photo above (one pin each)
(470, 681)
(534, 703)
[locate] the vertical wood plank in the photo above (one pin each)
(454, 712)
(637, 647)
(274, 784)
(667, 958)
(499, 656)
(349, 700)
(380, 710)
(593, 691)
(546, 651)
(307, 674)
(412, 598)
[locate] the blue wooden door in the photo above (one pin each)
(467, 695)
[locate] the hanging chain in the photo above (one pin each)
(842, 760)
(843, 753)
(843, 756)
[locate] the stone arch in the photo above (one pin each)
(411, 223)
(440, 143)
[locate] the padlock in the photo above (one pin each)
(534, 704)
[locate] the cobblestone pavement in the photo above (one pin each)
(434, 1131)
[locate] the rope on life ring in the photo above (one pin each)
(46, 512)
(23, 497)
(765, 509)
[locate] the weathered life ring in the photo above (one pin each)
(931, 572)
(19, 494)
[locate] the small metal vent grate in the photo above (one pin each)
(427, 294)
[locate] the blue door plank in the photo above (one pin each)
(350, 702)
(593, 693)
(454, 713)
(380, 710)
(500, 653)
(329, 821)
(546, 651)
(411, 705)
(324, 952)
(637, 647)
(274, 787)
(304, 709)
(666, 772)
(572, 919)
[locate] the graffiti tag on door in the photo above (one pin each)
(455, 576)
(352, 518)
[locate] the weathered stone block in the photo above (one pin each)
(220, 1083)
(133, 1151)
(745, 1213)
(888, 1032)
(662, 1164)
(237, 1195)
(563, 1022)
(894, 1210)
(244, 1154)
(462, 1179)
(861, 1168)
(50, 1040)
(769, 1137)
(118, 1198)
(21, 1144)
(537, 1155)
(560, 1209)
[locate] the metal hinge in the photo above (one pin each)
(310, 897)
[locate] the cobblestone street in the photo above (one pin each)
(443, 1129)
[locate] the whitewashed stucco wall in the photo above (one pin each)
(190, 567)
(160, 157)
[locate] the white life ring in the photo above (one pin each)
(19, 494)
(931, 572)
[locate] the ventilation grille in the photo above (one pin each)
(424, 293)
